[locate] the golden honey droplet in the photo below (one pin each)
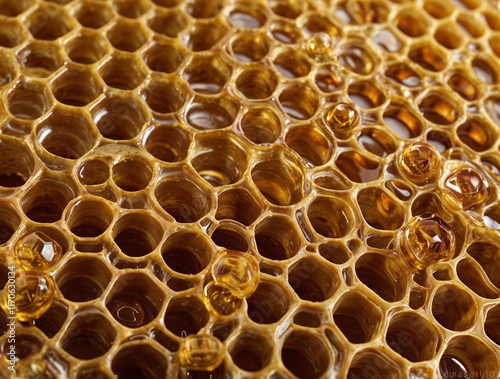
(466, 188)
(426, 240)
(319, 45)
(420, 163)
(237, 271)
(37, 251)
(201, 352)
(342, 118)
(220, 300)
(30, 296)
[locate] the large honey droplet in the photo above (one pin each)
(319, 46)
(420, 163)
(37, 251)
(201, 352)
(30, 297)
(342, 118)
(466, 188)
(236, 271)
(426, 240)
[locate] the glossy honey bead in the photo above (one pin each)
(236, 271)
(342, 118)
(319, 45)
(426, 240)
(420, 163)
(220, 300)
(201, 352)
(466, 188)
(37, 251)
(33, 296)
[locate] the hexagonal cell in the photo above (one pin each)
(331, 179)
(463, 85)
(238, 205)
(257, 83)
(92, 172)
(471, 25)
(247, 15)
(277, 238)
(165, 95)
(485, 71)
(39, 58)
(76, 87)
(49, 22)
(89, 217)
(373, 363)
(429, 57)
(376, 142)
(83, 279)
(477, 134)
(28, 100)
(163, 56)
(383, 274)
(438, 8)
(286, 32)
(12, 33)
(89, 335)
(12, 8)
(484, 253)
(467, 355)
(207, 113)
(468, 4)
(331, 217)
(334, 252)
(305, 355)
(387, 41)
(413, 337)
(137, 233)
(139, 360)
(492, 18)
(492, 217)
(286, 8)
(318, 23)
(207, 73)
(366, 94)
(93, 14)
(167, 22)
(439, 109)
(221, 160)
(299, 101)
(494, 43)
(122, 72)
(46, 200)
(310, 143)
(9, 222)
(308, 317)
(402, 74)
(230, 236)
(25, 346)
(292, 63)
(167, 143)
(313, 281)
(380, 210)
(135, 300)
(328, 78)
(7, 69)
(86, 47)
(66, 135)
(131, 8)
(454, 308)
(204, 8)
(183, 198)
(250, 46)
(204, 35)
(187, 252)
(449, 36)
(251, 351)
(132, 175)
(492, 324)
(412, 22)
(261, 124)
(470, 273)
(357, 58)
(127, 35)
(119, 117)
(16, 162)
(51, 322)
(185, 316)
(357, 317)
(402, 121)
(357, 167)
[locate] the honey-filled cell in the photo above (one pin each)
(250, 188)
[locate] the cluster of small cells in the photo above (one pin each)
(250, 188)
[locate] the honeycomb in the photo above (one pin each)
(350, 147)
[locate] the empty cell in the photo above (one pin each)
(51, 322)
(286, 8)
(167, 22)
(238, 205)
(230, 236)
(403, 74)
(310, 143)
(7, 70)
(183, 198)
(286, 32)
(384, 275)
(449, 36)
(122, 72)
(167, 143)
(49, 22)
(261, 124)
(402, 121)
(16, 162)
(93, 172)
(373, 363)
(366, 95)
(204, 8)
(387, 41)
(477, 134)
(412, 22)
(494, 43)
(207, 74)
(413, 337)
(492, 217)
(454, 308)
(163, 56)
(334, 252)
(66, 134)
(204, 35)
(185, 316)
(439, 109)
(461, 84)
(471, 25)
(376, 142)
(485, 254)
(358, 318)
(292, 64)
(139, 360)
(76, 87)
(305, 355)
(187, 252)
(119, 117)
(380, 210)
(438, 8)
(12, 33)
(25, 346)
(277, 238)
(137, 233)
(93, 14)
(86, 47)
(429, 57)
(86, 340)
(127, 35)
(39, 58)
(357, 167)
(328, 78)
(206, 114)
(89, 217)
(28, 100)
(299, 101)
(83, 279)
(250, 46)
(332, 180)
(12, 8)
(131, 8)
(134, 300)
(248, 16)
(330, 217)
(318, 23)
(166, 3)
(251, 351)
(257, 83)
(313, 281)
(9, 222)
(485, 71)
(357, 58)
(470, 273)
(492, 324)
(132, 174)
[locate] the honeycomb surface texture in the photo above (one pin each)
(350, 147)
